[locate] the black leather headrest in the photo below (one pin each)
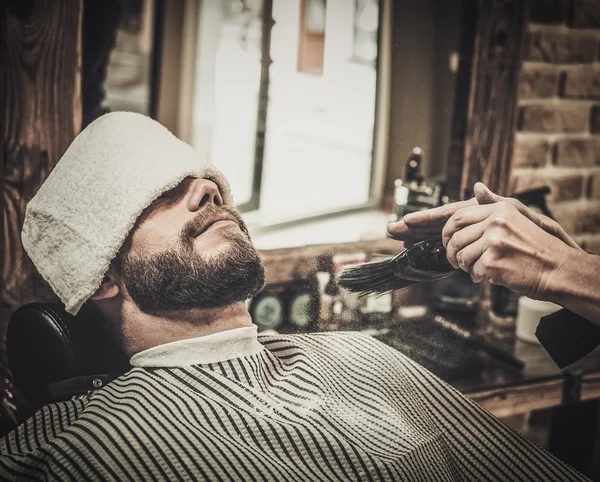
(54, 355)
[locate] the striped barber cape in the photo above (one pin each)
(315, 407)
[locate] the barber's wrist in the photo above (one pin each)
(559, 279)
(563, 236)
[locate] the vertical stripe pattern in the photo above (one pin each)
(315, 407)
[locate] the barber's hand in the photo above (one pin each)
(499, 243)
(424, 224)
(485, 196)
(421, 225)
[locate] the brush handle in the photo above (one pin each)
(425, 261)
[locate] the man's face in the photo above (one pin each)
(189, 250)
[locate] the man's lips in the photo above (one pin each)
(212, 220)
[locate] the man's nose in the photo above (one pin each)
(204, 192)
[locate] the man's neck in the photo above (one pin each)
(142, 331)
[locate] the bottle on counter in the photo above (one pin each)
(326, 305)
(377, 309)
(412, 193)
(346, 305)
(408, 184)
(412, 168)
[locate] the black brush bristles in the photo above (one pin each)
(374, 277)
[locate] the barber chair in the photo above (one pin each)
(54, 355)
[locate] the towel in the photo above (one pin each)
(84, 211)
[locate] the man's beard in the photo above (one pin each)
(183, 279)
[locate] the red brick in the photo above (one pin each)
(555, 118)
(577, 219)
(530, 153)
(563, 187)
(588, 221)
(548, 11)
(593, 190)
(538, 84)
(582, 85)
(586, 14)
(577, 152)
(562, 47)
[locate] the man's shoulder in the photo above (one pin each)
(44, 425)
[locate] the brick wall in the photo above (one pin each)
(558, 138)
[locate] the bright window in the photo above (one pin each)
(288, 113)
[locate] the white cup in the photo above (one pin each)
(528, 316)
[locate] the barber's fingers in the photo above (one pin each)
(458, 249)
(483, 195)
(472, 260)
(399, 230)
(466, 217)
(478, 270)
(436, 216)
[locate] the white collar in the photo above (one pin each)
(218, 347)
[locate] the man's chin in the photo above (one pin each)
(211, 274)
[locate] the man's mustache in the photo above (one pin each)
(209, 211)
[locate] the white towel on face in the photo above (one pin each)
(84, 211)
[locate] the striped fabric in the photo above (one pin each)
(327, 407)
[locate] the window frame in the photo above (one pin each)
(181, 120)
(251, 209)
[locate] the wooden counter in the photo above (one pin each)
(541, 385)
(505, 391)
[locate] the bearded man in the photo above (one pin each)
(133, 221)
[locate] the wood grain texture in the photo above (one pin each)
(468, 30)
(40, 65)
(590, 386)
(485, 152)
(516, 399)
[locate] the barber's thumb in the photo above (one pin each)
(484, 195)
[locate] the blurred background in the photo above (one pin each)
(332, 118)
(305, 109)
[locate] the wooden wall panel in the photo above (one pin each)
(40, 109)
(486, 111)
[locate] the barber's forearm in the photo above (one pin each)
(575, 284)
